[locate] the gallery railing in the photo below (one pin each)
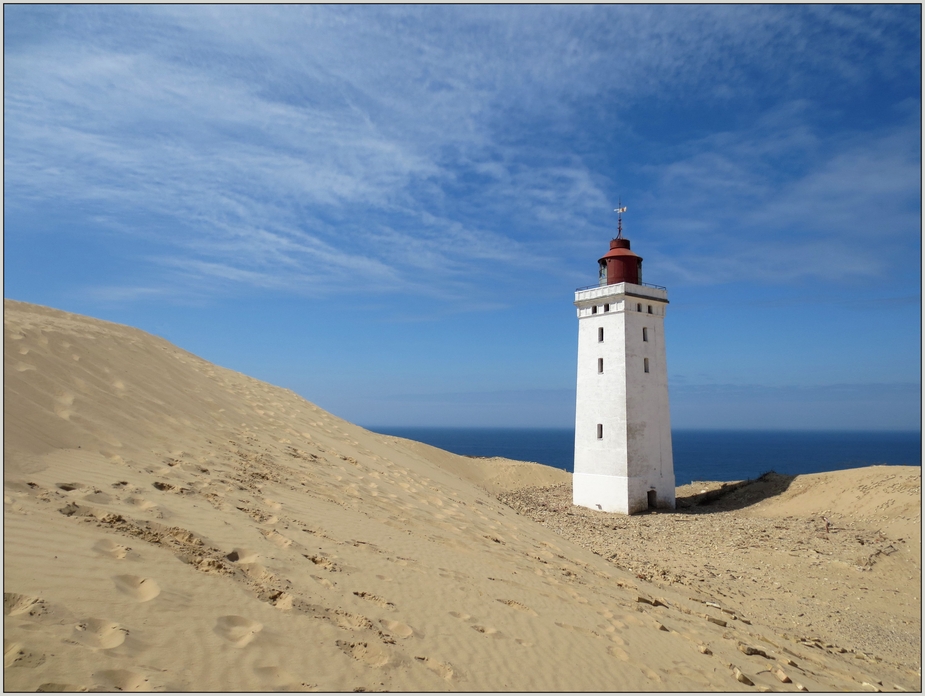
(604, 285)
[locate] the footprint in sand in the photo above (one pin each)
(518, 606)
(619, 653)
(256, 571)
(68, 487)
(397, 628)
(17, 655)
(488, 631)
(325, 563)
(10, 649)
(441, 669)
(279, 679)
(121, 680)
(99, 497)
(194, 469)
(279, 599)
(324, 582)
(375, 599)
(632, 620)
(237, 630)
(62, 405)
(140, 503)
(276, 538)
(352, 622)
(138, 588)
(462, 616)
(261, 517)
(99, 634)
(15, 604)
(110, 548)
(12, 504)
(373, 655)
(35, 609)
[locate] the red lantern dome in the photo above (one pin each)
(620, 265)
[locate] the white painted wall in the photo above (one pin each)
(634, 456)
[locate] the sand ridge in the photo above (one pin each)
(172, 525)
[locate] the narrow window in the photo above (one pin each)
(645, 334)
(600, 365)
(600, 431)
(594, 310)
(600, 334)
(650, 309)
(638, 307)
(645, 364)
(606, 307)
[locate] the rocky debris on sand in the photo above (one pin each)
(749, 650)
(737, 673)
(789, 572)
(781, 675)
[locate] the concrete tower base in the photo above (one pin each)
(620, 493)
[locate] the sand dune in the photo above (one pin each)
(172, 525)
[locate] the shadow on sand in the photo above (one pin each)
(734, 496)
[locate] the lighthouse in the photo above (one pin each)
(623, 459)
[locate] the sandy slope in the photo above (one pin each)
(169, 524)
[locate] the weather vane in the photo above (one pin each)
(619, 211)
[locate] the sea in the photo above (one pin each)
(699, 455)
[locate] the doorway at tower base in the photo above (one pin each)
(623, 494)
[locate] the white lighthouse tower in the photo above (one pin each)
(623, 460)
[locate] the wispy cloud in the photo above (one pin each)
(434, 149)
(841, 207)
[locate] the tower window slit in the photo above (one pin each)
(645, 364)
(606, 307)
(645, 334)
(600, 365)
(650, 309)
(594, 310)
(600, 334)
(638, 306)
(600, 431)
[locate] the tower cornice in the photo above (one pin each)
(592, 295)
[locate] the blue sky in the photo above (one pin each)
(388, 209)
